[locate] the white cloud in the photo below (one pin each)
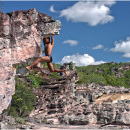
(52, 9)
(91, 12)
(105, 49)
(122, 46)
(80, 60)
(71, 42)
(127, 55)
(98, 47)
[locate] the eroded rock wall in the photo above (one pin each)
(21, 33)
(62, 101)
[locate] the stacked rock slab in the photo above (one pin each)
(21, 33)
(62, 101)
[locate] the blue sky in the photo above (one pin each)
(91, 32)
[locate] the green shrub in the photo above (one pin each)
(44, 64)
(104, 74)
(82, 78)
(85, 79)
(70, 65)
(54, 75)
(36, 81)
(55, 66)
(96, 78)
(127, 78)
(114, 81)
(22, 101)
(11, 110)
(19, 120)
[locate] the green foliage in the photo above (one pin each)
(104, 74)
(114, 81)
(127, 78)
(71, 65)
(20, 66)
(54, 75)
(36, 81)
(11, 110)
(17, 67)
(22, 101)
(85, 79)
(44, 64)
(55, 66)
(44, 121)
(19, 120)
(82, 78)
(96, 78)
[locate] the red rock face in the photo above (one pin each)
(21, 33)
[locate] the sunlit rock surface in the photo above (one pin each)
(21, 33)
(62, 101)
(63, 104)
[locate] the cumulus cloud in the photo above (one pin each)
(52, 9)
(98, 47)
(91, 12)
(70, 42)
(80, 60)
(122, 46)
(127, 55)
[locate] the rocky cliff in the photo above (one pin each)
(21, 33)
(62, 101)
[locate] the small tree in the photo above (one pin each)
(23, 100)
(71, 65)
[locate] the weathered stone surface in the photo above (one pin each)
(61, 101)
(21, 33)
(63, 104)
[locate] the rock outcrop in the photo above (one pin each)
(21, 33)
(62, 101)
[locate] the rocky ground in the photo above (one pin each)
(63, 104)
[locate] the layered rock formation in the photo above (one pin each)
(21, 33)
(61, 101)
